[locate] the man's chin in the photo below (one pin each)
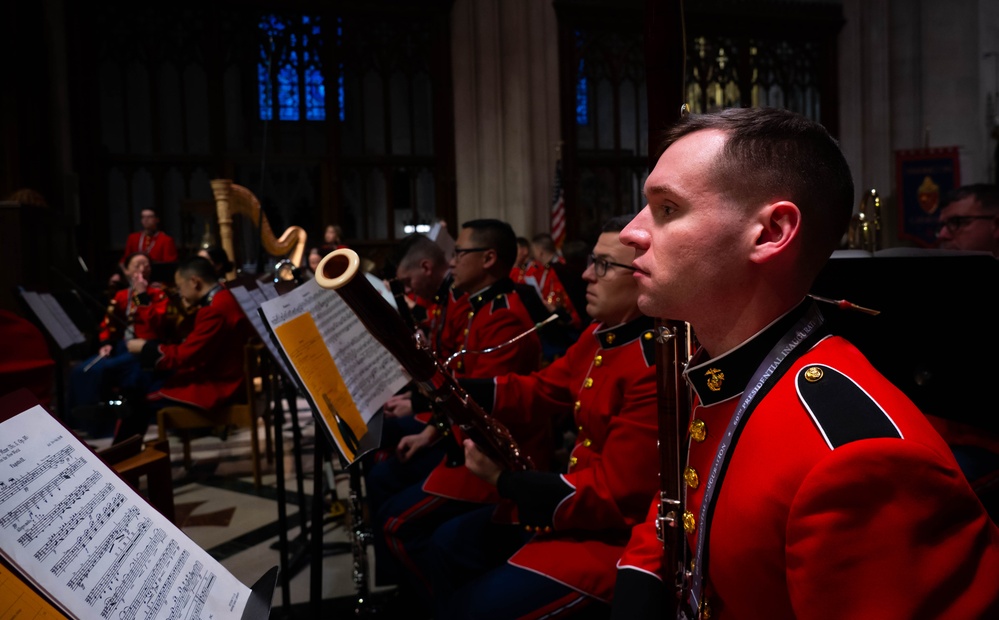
(650, 307)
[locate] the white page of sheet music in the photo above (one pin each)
(369, 371)
(249, 300)
(88, 540)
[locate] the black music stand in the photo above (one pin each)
(294, 554)
(62, 334)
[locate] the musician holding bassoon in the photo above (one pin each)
(576, 523)
(483, 255)
(421, 270)
(813, 487)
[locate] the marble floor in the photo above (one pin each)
(219, 508)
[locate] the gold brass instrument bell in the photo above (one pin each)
(865, 226)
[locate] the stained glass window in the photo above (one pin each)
(290, 65)
(582, 87)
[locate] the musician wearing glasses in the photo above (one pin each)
(423, 271)
(483, 256)
(572, 526)
(969, 220)
(812, 488)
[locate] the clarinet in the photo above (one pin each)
(360, 536)
(337, 271)
(674, 418)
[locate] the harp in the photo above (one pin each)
(232, 199)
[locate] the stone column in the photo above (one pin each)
(505, 69)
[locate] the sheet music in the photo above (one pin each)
(347, 374)
(65, 333)
(59, 313)
(249, 300)
(88, 540)
(268, 290)
(440, 235)
(383, 289)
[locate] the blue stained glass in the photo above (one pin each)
(582, 86)
(271, 25)
(288, 91)
(315, 95)
(340, 94)
(582, 98)
(264, 88)
(300, 77)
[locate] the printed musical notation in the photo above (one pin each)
(346, 373)
(90, 542)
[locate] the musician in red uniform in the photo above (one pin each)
(425, 273)
(484, 252)
(207, 367)
(142, 310)
(577, 522)
(524, 265)
(813, 487)
(549, 272)
(153, 242)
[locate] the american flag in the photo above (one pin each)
(558, 208)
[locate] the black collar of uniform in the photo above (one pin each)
(210, 295)
(500, 287)
(610, 337)
(719, 379)
(444, 290)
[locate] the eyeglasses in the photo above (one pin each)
(956, 223)
(601, 265)
(458, 252)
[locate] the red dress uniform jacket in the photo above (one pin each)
(147, 313)
(519, 274)
(880, 526)
(495, 316)
(159, 246)
(447, 317)
(208, 364)
(554, 292)
(607, 381)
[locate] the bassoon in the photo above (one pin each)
(665, 61)
(673, 347)
(337, 271)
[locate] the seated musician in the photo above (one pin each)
(561, 289)
(484, 253)
(424, 272)
(207, 367)
(524, 264)
(142, 310)
(575, 523)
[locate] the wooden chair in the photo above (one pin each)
(246, 414)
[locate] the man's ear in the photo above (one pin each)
(489, 258)
(779, 225)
